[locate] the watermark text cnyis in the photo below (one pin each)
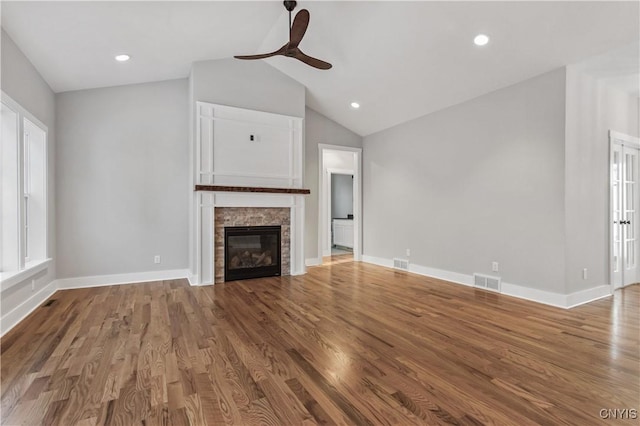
(618, 413)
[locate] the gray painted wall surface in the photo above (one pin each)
(22, 82)
(592, 110)
(478, 182)
(319, 130)
(122, 182)
(247, 84)
(341, 195)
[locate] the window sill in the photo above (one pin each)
(10, 279)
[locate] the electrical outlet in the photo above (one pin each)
(584, 274)
(495, 267)
(156, 259)
(408, 252)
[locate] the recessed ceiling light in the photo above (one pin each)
(355, 105)
(481, 40)
(122, 58)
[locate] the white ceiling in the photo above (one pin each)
(400, 60)
(618, 68)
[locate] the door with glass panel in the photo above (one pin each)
(625, 195)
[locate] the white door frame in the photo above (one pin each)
(616, 138)
(324, 215)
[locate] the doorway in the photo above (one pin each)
(624, 215)
(339, 215)
(341, 209)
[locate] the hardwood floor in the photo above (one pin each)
(348, 343)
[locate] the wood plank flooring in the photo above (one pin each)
(348, 343)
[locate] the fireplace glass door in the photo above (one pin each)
(251, 252)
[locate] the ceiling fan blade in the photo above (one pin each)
(299, 27)
(316, 63)
(264, 55)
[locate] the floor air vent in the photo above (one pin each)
(401, 264)
(487, 282)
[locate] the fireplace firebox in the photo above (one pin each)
(251, 252)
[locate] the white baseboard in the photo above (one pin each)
(559, 300)
(426, 271)
(380, 261)
(134, 277)
(314, 261)
(11, 319)
(193, 279)
(541, 296)
(441, 274)
(588, 295)
(326, 252)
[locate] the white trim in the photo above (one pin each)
(22, 115)
(10, 279)
(314, 261)
(339, 147)
(588, 295)
(540, 296)
(380, 261)
(441, 274)
(20, 312)
(625, 141)
(268, 176)
(193, 279)
(7, 100)
(349, 172)
(134, 277)
(558, 300)
(209, 113)
(621, 138)
(610, 228)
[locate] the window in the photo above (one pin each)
(23, 196)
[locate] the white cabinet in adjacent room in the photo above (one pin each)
(343, 232)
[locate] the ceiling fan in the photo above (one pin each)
(296, 32)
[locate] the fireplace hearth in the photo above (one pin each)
(251, 252)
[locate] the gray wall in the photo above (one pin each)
(247, 84)
(22, 82)
(592, 110)
(478, 182)
(122, 160)
(341, 195)
(319, 129)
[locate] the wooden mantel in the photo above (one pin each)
(219, 188)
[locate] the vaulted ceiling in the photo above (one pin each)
(399, 60)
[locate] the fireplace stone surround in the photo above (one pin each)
(251, 216)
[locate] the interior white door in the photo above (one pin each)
(625, 193)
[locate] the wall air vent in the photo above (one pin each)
(402, 264)
(487, 282)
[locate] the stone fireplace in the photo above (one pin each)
(242, 217)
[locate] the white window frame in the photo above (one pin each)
(26, 266)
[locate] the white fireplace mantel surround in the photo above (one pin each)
(236, 150)
(209, 200)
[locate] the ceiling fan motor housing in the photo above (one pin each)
(290, 5)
